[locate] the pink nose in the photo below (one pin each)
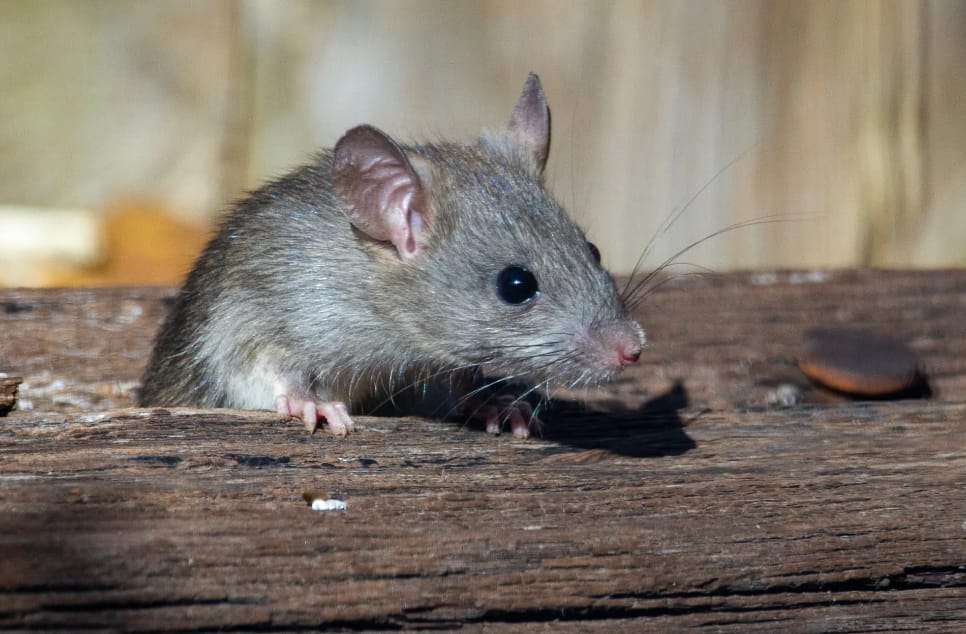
(628, 355)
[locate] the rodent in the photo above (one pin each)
(379, 266)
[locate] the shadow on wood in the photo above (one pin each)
(654, 429)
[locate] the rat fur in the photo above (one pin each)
(377, 267)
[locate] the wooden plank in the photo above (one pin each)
(687, 507)
(171, 520)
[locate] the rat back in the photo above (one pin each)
(279, 286)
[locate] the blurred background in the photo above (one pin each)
(126, 128)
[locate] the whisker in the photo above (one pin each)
(675, 214)
(763, 220)
(637, 299)
(465, 398)
(423, 381)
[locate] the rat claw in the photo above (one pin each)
(519, 425)
(337, 416)
(310, 411)
(519, 414)
(525, 421)
(305, 411)
(310, 416)
(492, 420)
(281, 405)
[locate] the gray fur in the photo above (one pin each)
(288, 290)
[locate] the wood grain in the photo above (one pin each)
(680, 498)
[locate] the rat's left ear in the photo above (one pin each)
(380, 191)
(530, 123)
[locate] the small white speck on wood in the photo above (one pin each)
(328, 505)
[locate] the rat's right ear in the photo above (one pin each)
(380, 191)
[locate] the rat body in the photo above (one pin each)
(382, 266)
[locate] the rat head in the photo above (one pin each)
(484, 266)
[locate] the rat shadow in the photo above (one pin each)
(652, 430)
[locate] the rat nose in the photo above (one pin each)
(628, 354)
(615, 345)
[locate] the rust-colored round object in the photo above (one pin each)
(858, 361)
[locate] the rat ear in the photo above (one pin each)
(379, 190)
(530, 123)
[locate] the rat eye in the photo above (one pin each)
(594, 251)
(516, 285)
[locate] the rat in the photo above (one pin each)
(381, 268)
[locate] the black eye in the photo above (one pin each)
(594, 251)
(516, 285)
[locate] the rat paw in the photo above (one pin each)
(335, 413)
(517, 413)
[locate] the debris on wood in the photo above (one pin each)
(8, 392)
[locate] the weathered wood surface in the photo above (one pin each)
(681, 498)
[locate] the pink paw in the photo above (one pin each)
(518, 413)
(336, 416)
